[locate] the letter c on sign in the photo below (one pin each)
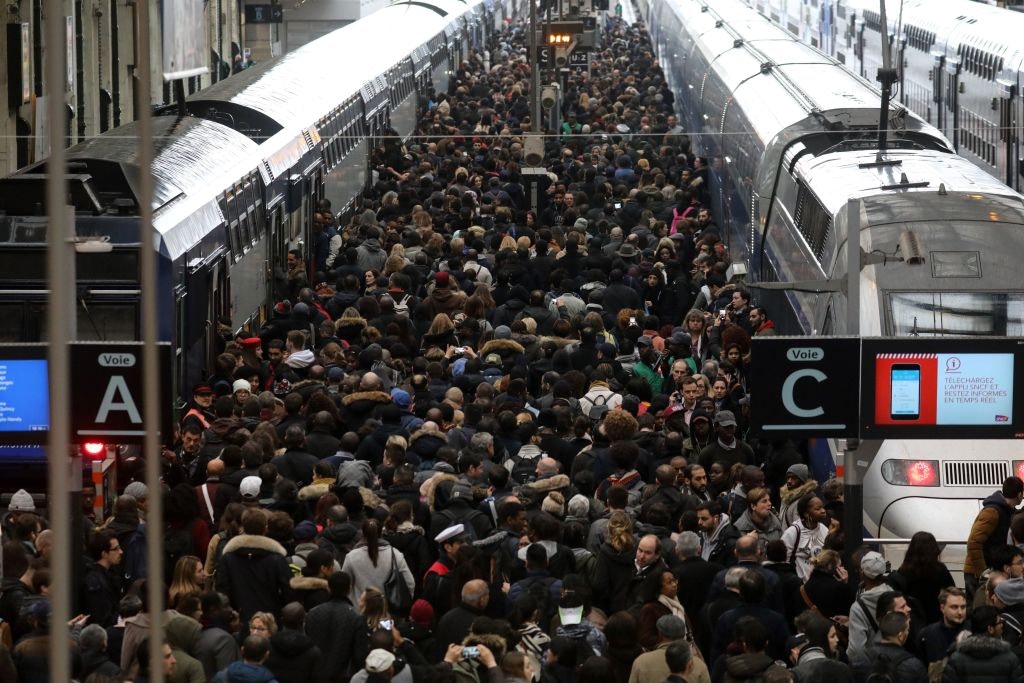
(787, 393)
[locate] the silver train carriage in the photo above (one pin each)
(237, 177)
(960, 65)
(792, 139)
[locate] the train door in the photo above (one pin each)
(277, 234)
(1006, 155)
(218, 305)
(952, 101)
(938, 82)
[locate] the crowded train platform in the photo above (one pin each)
(482, 441)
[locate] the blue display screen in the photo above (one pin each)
(24, 396)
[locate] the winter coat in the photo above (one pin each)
(789, 497)
(612, 577)
(336, 629)
(750, 666)
(365, 574)
(651, 667)
(413, 545)
(906, 668)
(215, 650)
(831, 596)
(862, 624)
(370, 256)
(453, 627)
(309, 590)
(814, 667)
(243, 672)
(182, 634)
(983, 659)
(254, 573)
(294, 657)
(772, 530)
(358, 407)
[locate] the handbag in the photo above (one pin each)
(396, 589)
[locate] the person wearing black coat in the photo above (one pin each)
(336, 628)
(612, 577)
(253, 571)
(296, 463)
(455, 624)
(983, 657)
(294, 657)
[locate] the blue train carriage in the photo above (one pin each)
(207, 229)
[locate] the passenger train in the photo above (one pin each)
(793, 139)
(960, 65)
(238, 174)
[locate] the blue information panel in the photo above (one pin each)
(24, 395)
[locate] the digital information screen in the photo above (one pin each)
(934, 394)
(25, 409)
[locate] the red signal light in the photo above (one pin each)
(94, 450)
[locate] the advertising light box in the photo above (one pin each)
(941, 388)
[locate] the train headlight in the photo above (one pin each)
(1018, 468)
(911, 472)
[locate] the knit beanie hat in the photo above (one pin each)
(579, 506)
(554, 504)
(422, 613)
(21, 501)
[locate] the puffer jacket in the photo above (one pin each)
(983, 659)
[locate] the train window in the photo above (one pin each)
(953, 314)
(233, 242)
(107, 321)
(813, 220)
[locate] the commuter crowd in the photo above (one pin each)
(486, 442)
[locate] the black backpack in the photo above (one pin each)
(524, 470)
(598, 408)
(539, 588)
(883, 669)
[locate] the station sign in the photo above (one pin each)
(804, 386)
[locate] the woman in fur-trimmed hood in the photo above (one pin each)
(798, 484)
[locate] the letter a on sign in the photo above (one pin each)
(118, 398)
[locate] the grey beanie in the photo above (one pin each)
(137, 490)
(502, 332)
(21, 501)
(1011, 592)
(800, 471)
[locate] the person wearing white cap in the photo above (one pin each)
(438, 586)
(863, 623)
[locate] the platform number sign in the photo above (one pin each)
(106, 386)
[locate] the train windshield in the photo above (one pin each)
(957, 314)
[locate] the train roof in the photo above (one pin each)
(188, 152)
(781, 83)
(974, 194)
(302, 86)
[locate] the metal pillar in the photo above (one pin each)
(150, 363)
(62, 287)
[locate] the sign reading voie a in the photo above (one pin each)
(107, 383)
(805, 385)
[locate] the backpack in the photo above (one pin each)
(539, 588)
(402, 307)
(634, 485)
(177, 544)
(598, 408)
(524, 470)
(883, 670)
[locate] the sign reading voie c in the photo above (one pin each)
(106, 385)
(806, 386)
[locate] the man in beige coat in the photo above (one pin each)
(651, 667)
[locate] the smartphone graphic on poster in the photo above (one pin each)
(905, 392)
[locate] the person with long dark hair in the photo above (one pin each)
(373, 561)
(922, 574)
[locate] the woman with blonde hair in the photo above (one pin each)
(441, 333)
(263, 624)
(593, 319)
(508, 243)
(189, 577)
(615, 564)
